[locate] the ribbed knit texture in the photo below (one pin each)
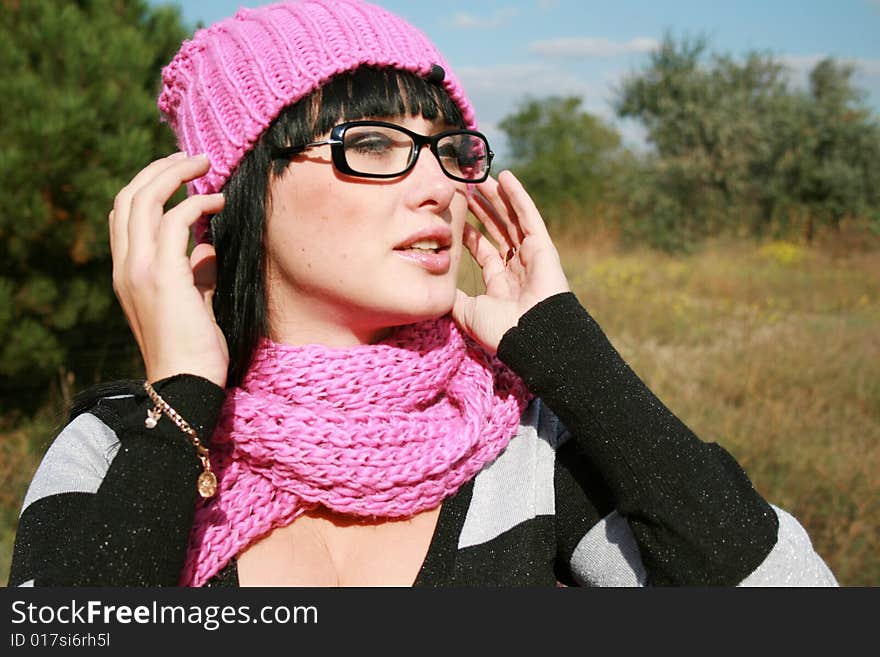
(226, 85)
(384, 430)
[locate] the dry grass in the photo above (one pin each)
(771, 351)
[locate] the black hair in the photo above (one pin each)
(238, 231)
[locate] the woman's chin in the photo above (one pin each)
(424, 310)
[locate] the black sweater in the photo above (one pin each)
(601, 485)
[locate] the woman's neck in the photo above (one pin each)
(307, 329)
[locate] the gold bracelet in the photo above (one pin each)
(207, 484)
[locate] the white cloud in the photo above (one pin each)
(868, 67)
(866, 76)
(534, 78)
(498, 18)
(592, 47)
(805, 63)
(496, 92)
(801, 63)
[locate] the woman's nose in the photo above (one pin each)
(431, 185)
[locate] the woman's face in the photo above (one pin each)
(339, 269)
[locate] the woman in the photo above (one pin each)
(322, 406)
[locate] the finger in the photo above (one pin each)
(148, 204)
(527, 212)
(486, 215)
(492, 191)
(203, 262)
(485, 255)
(494, 206)
(119, 215)
(173, 238)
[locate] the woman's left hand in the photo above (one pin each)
(521, 271)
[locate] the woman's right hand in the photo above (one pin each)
(165, 294)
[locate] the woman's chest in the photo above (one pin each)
(324, 549)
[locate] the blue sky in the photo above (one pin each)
(505, 49)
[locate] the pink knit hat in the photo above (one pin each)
(226, 85)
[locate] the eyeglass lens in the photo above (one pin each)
(383, 150)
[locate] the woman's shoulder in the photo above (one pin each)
(104, 396)
(81, 451)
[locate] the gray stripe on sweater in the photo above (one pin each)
(608, 555)
(792, 561)
(77, 460)
(518, 485)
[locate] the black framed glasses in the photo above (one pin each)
(376, 149)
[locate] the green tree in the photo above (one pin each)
(564, 156)
(838, 172)
(737, 150)
(77, 120)
(709, 122)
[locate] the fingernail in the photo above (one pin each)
(179, 155)
(200, 156)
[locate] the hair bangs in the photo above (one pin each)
(370, 92)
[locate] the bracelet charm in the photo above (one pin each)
(153, 416)
(207, 484)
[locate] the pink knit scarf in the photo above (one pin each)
(384, 430)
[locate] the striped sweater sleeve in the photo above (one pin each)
(674, 510)
(112, 502)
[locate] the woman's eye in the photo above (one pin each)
(370, 144)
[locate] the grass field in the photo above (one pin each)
(771, 351)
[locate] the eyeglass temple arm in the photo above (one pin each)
(288, 151)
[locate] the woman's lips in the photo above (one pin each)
(435, 263)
